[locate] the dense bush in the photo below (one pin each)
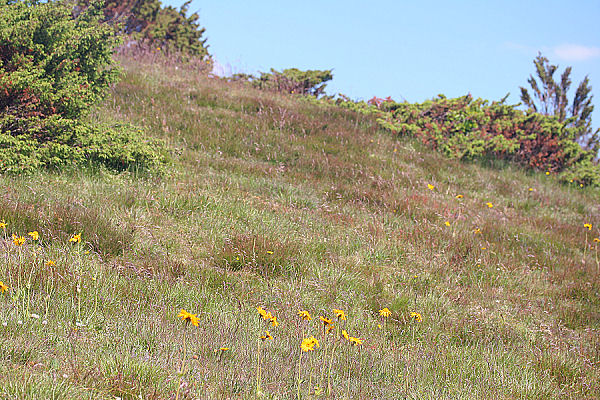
(465, 128)
(148, 22)
(53, 68)
(291, 80)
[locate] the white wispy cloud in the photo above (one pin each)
(567, 51)
(576, 52)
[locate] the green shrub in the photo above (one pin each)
(469, 129)
(291, 80)
(53, 68)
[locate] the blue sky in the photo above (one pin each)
(409, 50)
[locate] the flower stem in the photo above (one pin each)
(299, 367)
(182, 370)
(258, 371)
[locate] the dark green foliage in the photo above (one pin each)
(475, 129)
(291, 80)
(552, 99)
(53, 68)
(161, 27)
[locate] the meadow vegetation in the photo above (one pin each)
(455, 279)
(174, 235)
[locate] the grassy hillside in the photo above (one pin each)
(275, 202)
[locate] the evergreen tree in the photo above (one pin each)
(550, 98)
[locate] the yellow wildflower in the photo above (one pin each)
(459, 196)
(589, 226)
(273, 321)
(385, 313)
(187, 317)
(18, 240)
(430, 186)
(330, 328)
(490, 205)
(477, 231)
(75, 238)
(34, 235)
(269, 252)
(308, 344)
(223, 348)
(547, 172)
(345, 334)
(416, 316)
(50, 263)
(326, 321)
(531, 189)
(262, 312)
(266, 336)
(3, 224)
(3, 287)
(340, 314)
(305, 315)
(355, 341)
(596, 240)
(447, 223)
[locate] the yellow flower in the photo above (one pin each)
(385, 313)
(187, 317)
(309, 344)
(269, 252)
(266, 336)
(345, 334)
(3, 287)
(18, 240)
(589, 226)
(531, 189)
(477, 231)
(326, 321)
(3, 224)
(223, 348)
(416, 316)
(355, 341)
(490, 205)
(263, 313)
(273, 321)
(596, 240)
(304, 315)
(459, 196)
(547, 172)
(430, 186)
(50, 263)
(447, 223)
(34, 235)
(75, 238)
(330, 328)
(340, 314)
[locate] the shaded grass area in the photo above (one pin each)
(279, 203)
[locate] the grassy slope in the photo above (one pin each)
(513, 312)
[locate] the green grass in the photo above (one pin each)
(280, 203)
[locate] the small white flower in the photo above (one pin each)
(36, 316)
(79, 324)
(65, 376)
(5, 324)
(20, 322)
(44, 322)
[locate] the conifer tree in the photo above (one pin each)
(550, 98)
